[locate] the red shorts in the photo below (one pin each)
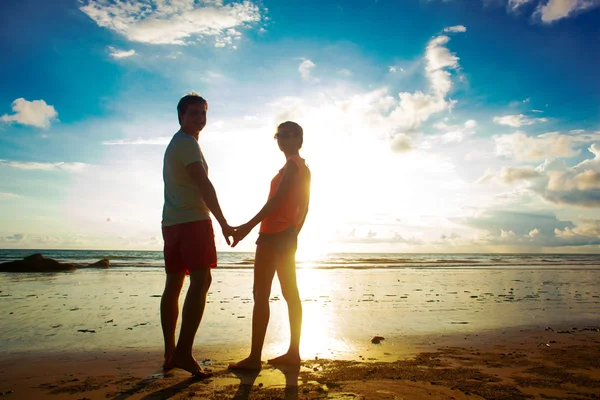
(189, 246)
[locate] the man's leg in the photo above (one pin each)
(169, 312)
(193, 309)
(286, 273)
(264, 271)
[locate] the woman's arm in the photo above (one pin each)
(307, 194)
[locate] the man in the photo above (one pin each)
(188, 234)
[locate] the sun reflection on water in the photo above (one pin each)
(322, 324)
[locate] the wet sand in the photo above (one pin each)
(550, 363)
(459, 333)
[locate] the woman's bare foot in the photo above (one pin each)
(189, 364)
(247, 364)
(288, 358)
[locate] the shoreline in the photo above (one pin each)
(515, 363)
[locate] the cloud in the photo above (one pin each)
(62, 166)
(401, 143)
(578, 185)
(372, 238)
(16, 238)
(4, 195)
(456, 133)
(34, 113)
(416, 108)
(172, 22)
(514, 174)
(517, 120)
(305, 70)
(555, 182)
(554, 10)
(506, 224)
(114, 53)
(454, 29)
(345, 72)
(515, 4)
(525, 148)
(151, 141)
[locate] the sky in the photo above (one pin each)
(430, 126)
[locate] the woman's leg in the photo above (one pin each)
(264, 271)
(286, 273)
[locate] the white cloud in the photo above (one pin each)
(525, 148)
(555, 182)
(514, 174)
(582, 177)
(345, 72)
(415, 108)
(5, 195)
(438, 56)
(456, 133)
(63, 166)
(517, 120)
(401, 143)
(114, 53)
(164, 140)
(34, 113)
(535, 233)
(457, 28)
(305, 70)
(174, 55)
(16, 238)
(515, 4)
(554, 10)
(172, 22)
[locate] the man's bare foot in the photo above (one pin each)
(247, 364)
(189, 364)
(167, 364)
(288, 358)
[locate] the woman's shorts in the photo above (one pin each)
(283, 241)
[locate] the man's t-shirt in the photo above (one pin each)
(183, 200)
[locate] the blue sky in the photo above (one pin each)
(445, 126)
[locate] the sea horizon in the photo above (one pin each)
(332, 260)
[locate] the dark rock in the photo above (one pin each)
(104, 263)
(36, 263)
(377, 339)
(34, 257)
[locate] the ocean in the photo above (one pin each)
(239, 260)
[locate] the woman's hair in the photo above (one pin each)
(294, 128)
(185, 101)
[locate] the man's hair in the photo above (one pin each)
(294, 128)
(190, 98)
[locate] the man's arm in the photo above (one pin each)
(199, 177)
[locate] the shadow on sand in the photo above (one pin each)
(164, 393)
(247, 379)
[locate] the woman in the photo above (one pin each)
(281, 220)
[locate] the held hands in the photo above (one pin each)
(234, 235)
(240, 233)
(228, 232)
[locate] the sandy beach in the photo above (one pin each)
(448, 333)
(551, 363)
